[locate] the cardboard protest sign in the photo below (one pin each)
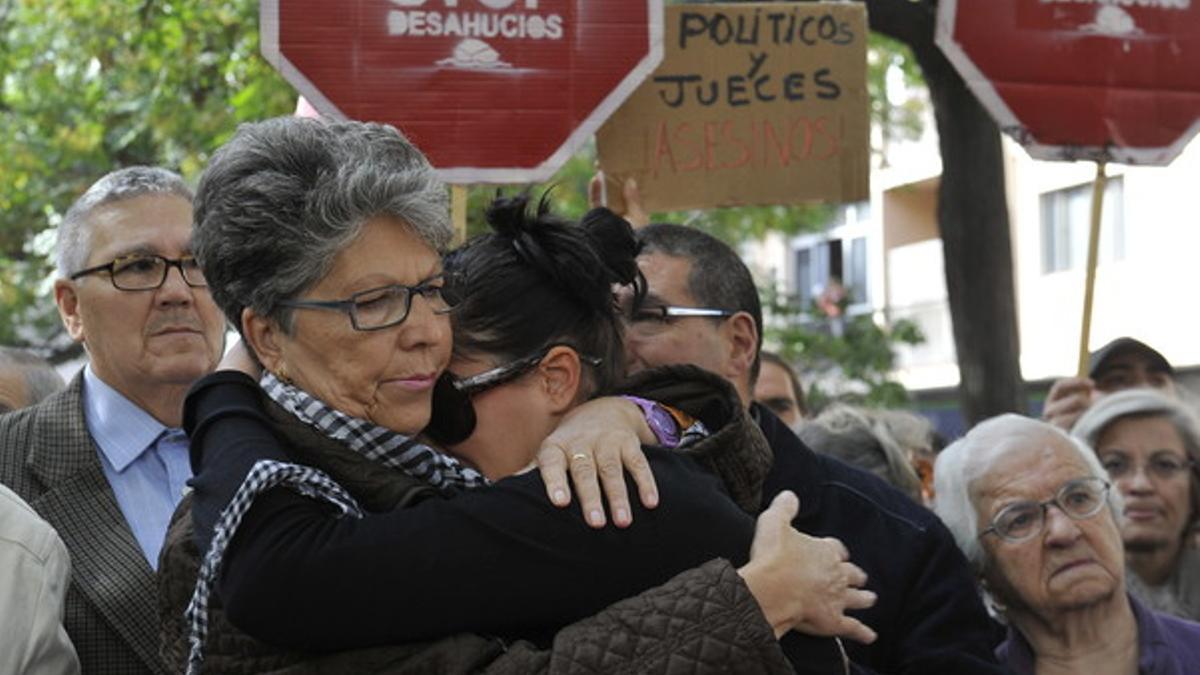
(753, 103)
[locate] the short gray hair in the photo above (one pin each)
(864, 439)
(969, 458)
(75, 232)
(1143, 402)
(41, 379)
(283, 197)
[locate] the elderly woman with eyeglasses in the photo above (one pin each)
(1150, 445)
(339, 539)
(1033, 511)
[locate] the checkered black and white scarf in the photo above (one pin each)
(374, 442)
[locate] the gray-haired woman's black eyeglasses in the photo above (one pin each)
(387, 306)
(1080, 499)
(510, 371)
(146, 272)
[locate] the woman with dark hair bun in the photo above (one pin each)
(320, 557)
(537, 292)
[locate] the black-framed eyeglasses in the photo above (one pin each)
(1079, 499)
(510, 371)
(387, 306)
(146, 272)
(1163, 466)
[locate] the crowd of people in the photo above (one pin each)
(558, 447)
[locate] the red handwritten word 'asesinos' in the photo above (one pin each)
(746, 143)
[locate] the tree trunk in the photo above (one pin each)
(972, 219)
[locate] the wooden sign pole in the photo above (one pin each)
(1089, 290)
(458, 212)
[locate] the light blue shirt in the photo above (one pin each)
(145, 462)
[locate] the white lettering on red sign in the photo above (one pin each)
(416, 23)
(474, 22)
(450, 4)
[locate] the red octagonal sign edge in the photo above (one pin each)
(1106, 80)
(496, 91)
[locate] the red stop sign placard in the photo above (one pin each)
(500, 91)
(1107, 80)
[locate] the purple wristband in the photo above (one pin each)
(661, 422)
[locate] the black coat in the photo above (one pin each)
(294, 568)
(928, 616)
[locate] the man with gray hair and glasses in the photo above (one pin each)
(104, 461)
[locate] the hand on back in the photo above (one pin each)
(805, 583)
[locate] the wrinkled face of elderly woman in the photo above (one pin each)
(1067, 563)
(385, 375)
(1146, 458)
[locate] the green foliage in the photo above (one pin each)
(892, 70)
(852, 364)
(89, 86)
(568, 191)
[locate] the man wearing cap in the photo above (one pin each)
(1124, 363)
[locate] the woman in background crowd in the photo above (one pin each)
(1150, 445)
(865, 439)
(1033, 511)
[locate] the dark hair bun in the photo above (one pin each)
(582, 261)
(614, 241)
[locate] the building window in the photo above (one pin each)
(842, 259)
(856, 270)
(1066, 221)
(852, 213)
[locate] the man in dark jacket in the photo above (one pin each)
(702, 307)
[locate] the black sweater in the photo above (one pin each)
(499, 560)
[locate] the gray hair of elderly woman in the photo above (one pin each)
(41, 379)
(969, 458)
(1141, 403)
(864, 439)
(74, 232)
(283, 197)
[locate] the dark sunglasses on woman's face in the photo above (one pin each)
(510, 371)
(453, 419)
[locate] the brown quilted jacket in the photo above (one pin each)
(702, 621)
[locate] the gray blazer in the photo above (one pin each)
(48, 457)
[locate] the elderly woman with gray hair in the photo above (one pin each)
(1033, 511)
(1150, 446)
(872, 440)
(339, 538)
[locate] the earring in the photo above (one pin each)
(282, 375)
